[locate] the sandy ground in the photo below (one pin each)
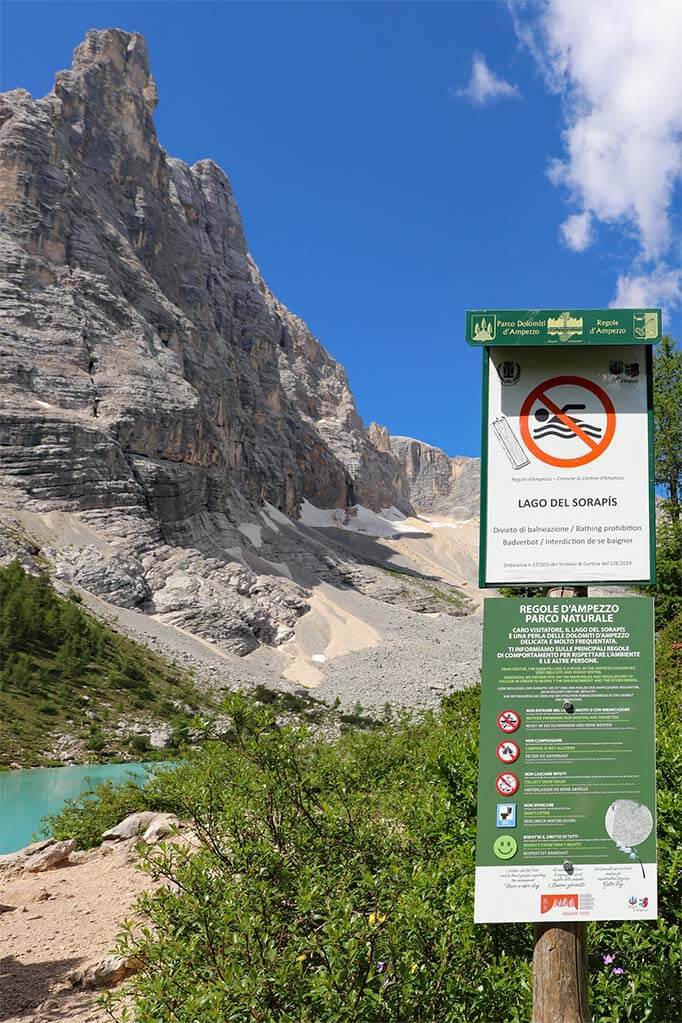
(328, 630)
(62, 920)
(449, 550)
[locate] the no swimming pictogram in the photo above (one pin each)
(551, 420)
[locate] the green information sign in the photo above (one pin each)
(566, 806)
(486, 327)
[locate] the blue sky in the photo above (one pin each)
(378, 202)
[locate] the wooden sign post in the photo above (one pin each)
(560, 992)
(560, 974)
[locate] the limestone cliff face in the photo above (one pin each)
(146, 364)
(438, 483)
(158, 404)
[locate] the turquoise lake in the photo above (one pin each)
(27, 795)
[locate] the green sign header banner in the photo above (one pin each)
(487, 327)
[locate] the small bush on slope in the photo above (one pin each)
(86, 817)
(336, 884)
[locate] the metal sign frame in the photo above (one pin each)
(621, 319)
(483, 581)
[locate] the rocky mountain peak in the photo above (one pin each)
(438, 483)
(111, 63)
(157, 396)
(380, 437)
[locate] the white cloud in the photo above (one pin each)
(617, 66)
(661, 287)
(576, 231)
(484, 86)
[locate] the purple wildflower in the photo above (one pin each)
(608, 959)
(381, 966)
(618, 970)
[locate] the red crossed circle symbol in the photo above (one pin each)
(595, 448)
(508, 720)
(507, 783)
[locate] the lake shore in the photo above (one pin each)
(28, 794)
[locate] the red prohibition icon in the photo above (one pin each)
(507, 784)
(508, 721)
(591, 447)
(508, 751)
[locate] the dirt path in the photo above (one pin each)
(62, 920)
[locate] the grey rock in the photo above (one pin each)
(161, 825)
(163, 411)
(159, 738)
(131, 826)
(154, 387)
(109, 971)
(14, 861)
(53, 855)
(117, 577)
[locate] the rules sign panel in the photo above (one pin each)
(566, 801)
(567, 477)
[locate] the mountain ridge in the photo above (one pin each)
(164, 415)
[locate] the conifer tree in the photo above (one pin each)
(668, 422)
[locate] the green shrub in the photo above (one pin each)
(95, 741)
(96, 810)
(139, 744)
(667, 592)
(335, 883)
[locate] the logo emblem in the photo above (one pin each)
(568, 900)
(507, 784)
(508, 372)
(645, 326)
(565, 326)
(484, 327)
(628, 369)
(508, 751)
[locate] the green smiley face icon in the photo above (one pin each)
(505, 847)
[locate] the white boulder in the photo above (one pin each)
(131, 826)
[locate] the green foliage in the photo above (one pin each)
(335, 881)
(56, 660)
(668, 473)
(139, 744)
(94, 811)
(668, 421)
(650, 954)
(668, 589)
(95, 740)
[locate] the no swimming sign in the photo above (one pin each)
(567, 481)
